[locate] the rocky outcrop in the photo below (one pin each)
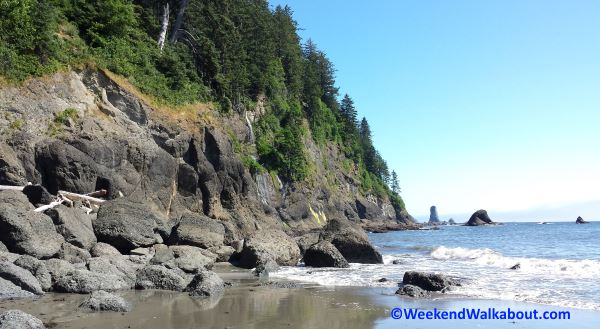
(102, 301)
(580, 221)
(433, 216)
(269, 244)
(451, 221)
(126, 224)
(480, 217)
(428, 281)
(412, 291)
(324, 254)
(351, 241)
(16, 319)
(28, 232)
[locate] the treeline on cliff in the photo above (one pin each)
(233, 53)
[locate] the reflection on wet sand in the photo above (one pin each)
(243, 306)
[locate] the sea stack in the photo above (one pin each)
(433, 216)
(480, 217)
(581, 221)
(451, 221)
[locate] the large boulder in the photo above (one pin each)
(191, 259)
(324, 254)
(127, 225)
(160, 277)
(197, 230)
(15, 199)
(74, 225)
(9, 290)
(57, 268)
(412, 291)
(11, 170)
(84, 282)
(117, 266)
(269, 244)
(38, 195)
(102, 301)
(72, 254)
(16, 319)
(206, 284)
(580, 221)
(480, 217)
(38, 269)
(428, 281)
(104, 249)
(20, 277)
(351, 241)
(27, 232)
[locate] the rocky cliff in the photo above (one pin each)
(89, 130)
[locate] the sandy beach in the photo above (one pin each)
(252, 303)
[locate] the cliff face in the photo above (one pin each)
(83, 131)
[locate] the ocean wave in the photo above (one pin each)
(585, 268)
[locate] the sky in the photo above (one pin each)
(476, 104)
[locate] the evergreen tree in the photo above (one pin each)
(394, 185)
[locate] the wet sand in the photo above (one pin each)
(246, 305)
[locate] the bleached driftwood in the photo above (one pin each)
(49, 206)
(81, 197)
(11, 188)
(97, 193)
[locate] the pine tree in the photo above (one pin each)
(394, 185)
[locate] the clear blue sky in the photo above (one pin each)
(476, 104)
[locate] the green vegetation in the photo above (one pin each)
(229, 52)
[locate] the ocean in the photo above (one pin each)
(559, 262)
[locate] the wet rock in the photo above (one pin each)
(72, 254)
(74, 225)
(198, 230)
(10, 290)
(515, 267)
(480, 217)
(580, 221)
(84, 282)
(428, 281)
(265, 268)
(104, 249)
(127, 225)
(396, 262)
(206, 284)
(306, 241)
(412, 291)
(280, 284)
(27, 232)
(16, 319)
(38, 269)
(102, 301)
(269, 244)
(352, 242)
(324, 254)
(383, 280)
(159, 277)
(20, 277)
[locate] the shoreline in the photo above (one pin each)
(254, 303)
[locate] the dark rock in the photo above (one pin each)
(72, 254)
(127, 225)
(159, 277)
(324, 254)
(15, 199)
(433, 216)
(38, 269)
(20, 277)
(480, 217)
(352, 242)
(84, 282)
(306, 241)
(264, 268)
(396, 262)
(428, 281)
(74, 225)
(516, 266)
(11, 170)
(451, 221)
(206, 284)
(37, 195)
(9, 290)
(198, 230)
(383, 280)
(412, 291)
(367, 209)
(27, 232)
(16, 319)
(580, 221)
(269, 244)
(102, 301)
(103, 249)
